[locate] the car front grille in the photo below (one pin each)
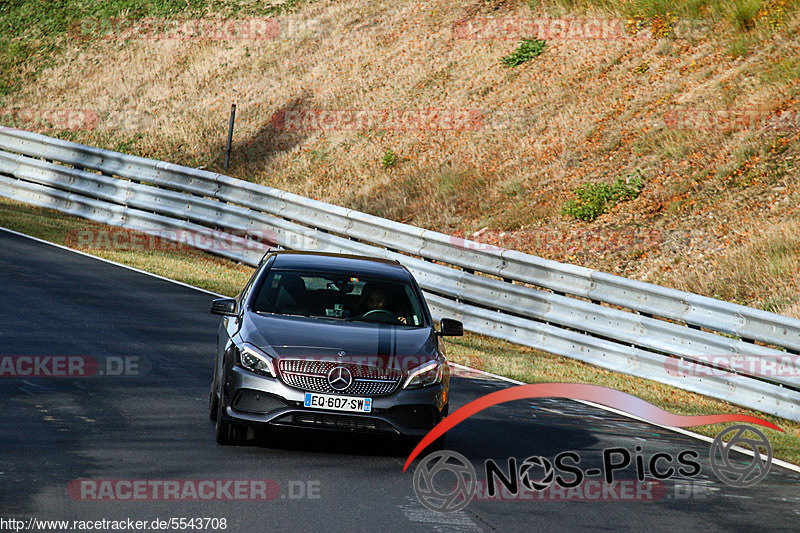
(336, 422)
(312, 375)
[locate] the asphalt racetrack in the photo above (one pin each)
(153, 426)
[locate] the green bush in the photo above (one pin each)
(745, 13)
(527, 50)
(389, 159)
(593, 199)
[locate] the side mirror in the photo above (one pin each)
(451, 328)
(224, 307)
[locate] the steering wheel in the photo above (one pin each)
(381, 315)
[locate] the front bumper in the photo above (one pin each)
(261, 400)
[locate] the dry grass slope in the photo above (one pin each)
(719, 210)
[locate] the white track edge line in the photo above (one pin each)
(778, 462)
(682, 431)
(109, 261)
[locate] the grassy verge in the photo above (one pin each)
(484, 353)
(189, 266)
(36, 30)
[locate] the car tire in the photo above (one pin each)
(213, 406)
(228, 434)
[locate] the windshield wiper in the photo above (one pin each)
(282, 314)
(305, 315)
(368, 321)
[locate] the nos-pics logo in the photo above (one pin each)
(446, 481)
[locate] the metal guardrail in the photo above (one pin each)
(692, 309)
(158, 195)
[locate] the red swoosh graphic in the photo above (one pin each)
(579, 391)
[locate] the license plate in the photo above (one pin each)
(338, 403)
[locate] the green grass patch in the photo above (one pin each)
(594, 199)
(780, 252)
(389, 159)
(740, 45)
(526, 50)
(32, 32)
(744, 13)
(784, 71)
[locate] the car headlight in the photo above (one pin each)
(255, 360)
(424, 375)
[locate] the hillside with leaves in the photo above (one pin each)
(665, 149)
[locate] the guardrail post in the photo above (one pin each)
(230, 136)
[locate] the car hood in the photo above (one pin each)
(292, 337)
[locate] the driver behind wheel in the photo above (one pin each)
(374, 298)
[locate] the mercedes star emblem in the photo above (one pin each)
(340, 378)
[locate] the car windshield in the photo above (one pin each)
(344, 297)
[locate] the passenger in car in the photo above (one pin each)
(291, 295)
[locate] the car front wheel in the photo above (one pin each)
(213, 406)
(227, 433)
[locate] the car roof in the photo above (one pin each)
(339, 264)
